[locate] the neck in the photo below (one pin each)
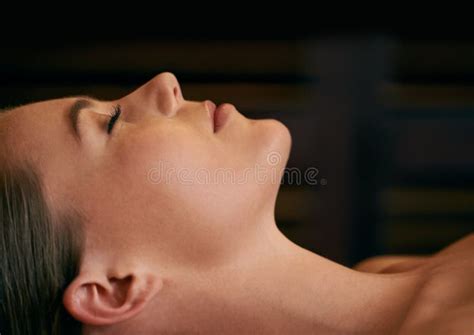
(275, 286)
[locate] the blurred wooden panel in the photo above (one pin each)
(225, 58)
(416, 236)
(413, 96)
(298, 203)
(427, 201)
(424, 144)
(294, 215)
(434, 57)
(420, 220)
(203, 57)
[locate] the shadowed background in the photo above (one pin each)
(385, 122)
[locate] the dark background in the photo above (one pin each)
(386, 117)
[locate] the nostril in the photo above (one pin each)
(178, 94)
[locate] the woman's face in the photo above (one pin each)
(166, 182)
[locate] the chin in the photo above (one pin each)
(269, 146)
(276, 145)
(273, 142)
(277, 140)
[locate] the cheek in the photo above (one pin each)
(164, 166)
(160, 149)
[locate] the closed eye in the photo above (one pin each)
(113, 118)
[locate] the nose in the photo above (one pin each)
(166, 90)
(161, 94)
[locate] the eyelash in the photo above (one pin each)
(113, 118)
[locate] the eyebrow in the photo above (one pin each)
(75, 110)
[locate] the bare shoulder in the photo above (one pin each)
(460, 250)
(444, 303)
(462, 246)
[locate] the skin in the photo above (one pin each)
(183, 255)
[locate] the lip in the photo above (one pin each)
(221, 115)
(211, 109)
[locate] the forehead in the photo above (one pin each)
(28, 128)
(36, 112)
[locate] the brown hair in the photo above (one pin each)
(40, 255)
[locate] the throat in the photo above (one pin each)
(287, 289)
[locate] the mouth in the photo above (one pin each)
(218, 115)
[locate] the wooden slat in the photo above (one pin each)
(432, 144)
(267, 58)
(394, 95)
(434, 57)
(204, 57)
(412, 201)
(232, 56)
(405, 235)
(297, 204)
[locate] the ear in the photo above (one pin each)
(110, 300)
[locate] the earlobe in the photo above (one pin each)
(108, 301)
